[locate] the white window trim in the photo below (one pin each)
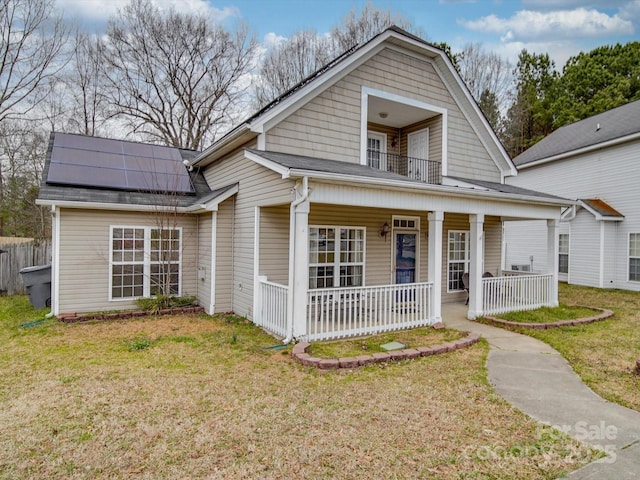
(337, 263)
(467, 260)
(147, 261)
(629, 257)
(564, 253)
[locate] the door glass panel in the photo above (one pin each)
(405, 257)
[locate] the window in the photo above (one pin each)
(376, 149)
(411, 223)
(336, 257)
(145, 261)
(563, 253)
(458, 260)
(634, 257)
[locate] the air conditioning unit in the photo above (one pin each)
(521, 268)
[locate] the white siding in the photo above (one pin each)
(492, 245)
(379, 251)
(329, 125)
(610, 252)
(584, 253)
(84, 257)
(258, 186)
(610, 174)
(274, 243)
(528, 238)
(523, 240)
(224, 257)
(204, 259)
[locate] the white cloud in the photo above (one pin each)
(568, 4)
(631, 11)
(527, 25)
(272, 39)
(559, 51)
(99, 11)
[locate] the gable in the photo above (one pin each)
(330, 125)
(323, 113)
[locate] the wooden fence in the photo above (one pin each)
(20, 253)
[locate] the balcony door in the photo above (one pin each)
(418, 153)
(377, 150)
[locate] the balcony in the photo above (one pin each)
(427, 171)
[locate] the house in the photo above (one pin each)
(595, 162)
(352, 204)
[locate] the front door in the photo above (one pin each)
(405, 257)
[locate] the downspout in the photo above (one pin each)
(54, 260)
(292, 230)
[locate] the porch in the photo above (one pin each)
(327, 270)
(333, 313)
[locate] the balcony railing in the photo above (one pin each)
(428, 171)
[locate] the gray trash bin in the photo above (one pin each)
(38, 282)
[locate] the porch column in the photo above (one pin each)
(476, 223)
(299, 281)
(435, 263)
(552, 260)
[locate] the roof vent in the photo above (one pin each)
(597, 127)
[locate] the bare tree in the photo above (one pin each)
(31, 47)
(357, 28)
(291, 61)
(85, 87)
(489, 78)
(174, 78)
(22, 151)
(288, 63)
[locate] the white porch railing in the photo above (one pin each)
(515, 293)
(273, 312)
(344, 312)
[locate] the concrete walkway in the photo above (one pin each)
(536, 379)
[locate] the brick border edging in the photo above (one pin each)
(604, 313)
(75, 318)
(299, 353)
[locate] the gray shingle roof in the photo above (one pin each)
(302, 162)
(505, 188)
(610, 125)
(313, 164)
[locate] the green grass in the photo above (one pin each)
(419, 337)
(549, 314)
(603, 353)
(199, 397)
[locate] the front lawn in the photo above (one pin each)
(603, 353)
(560, 313)
(200, 397)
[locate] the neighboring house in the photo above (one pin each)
(596, 162)
(352, 204)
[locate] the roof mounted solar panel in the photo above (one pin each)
(116, 164)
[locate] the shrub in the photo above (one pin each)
(161, 302)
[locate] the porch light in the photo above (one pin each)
(383, 114)
(385, 231)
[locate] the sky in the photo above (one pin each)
(561, 28)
